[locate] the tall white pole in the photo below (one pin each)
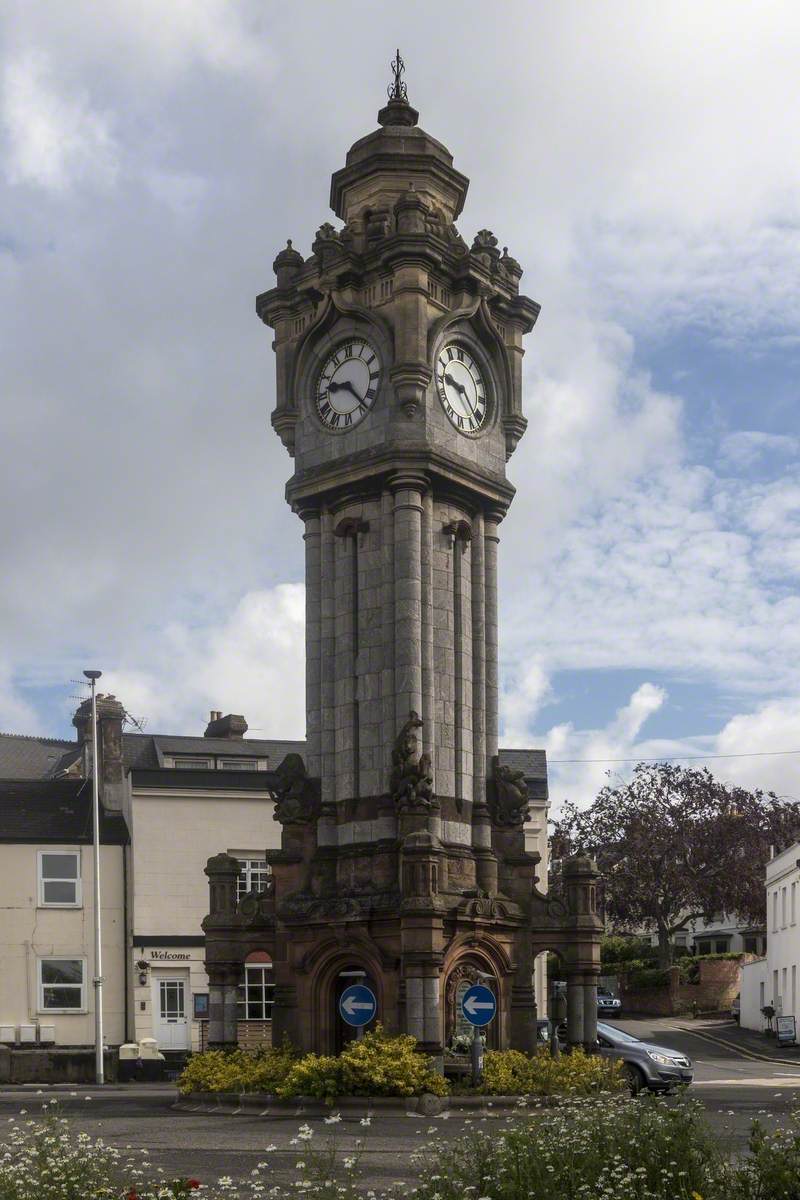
(93, 676)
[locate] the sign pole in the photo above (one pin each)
(93, 676)
(476, 1056)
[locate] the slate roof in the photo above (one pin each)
(24, 757)
(532, 762)
(54, 810)
(145, 751)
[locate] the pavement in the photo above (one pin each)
(734, 1082)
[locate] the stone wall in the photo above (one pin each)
(718, 983)
(54, 1066)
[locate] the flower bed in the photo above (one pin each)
(511, 1073)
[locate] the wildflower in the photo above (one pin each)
(333, 1120)
(365, 1121)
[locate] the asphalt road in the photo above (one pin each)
(733, 1088)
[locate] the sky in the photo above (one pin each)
(639, 159)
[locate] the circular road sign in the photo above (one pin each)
(478, 1005)
(357, 1004)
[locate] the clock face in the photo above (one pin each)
(347, 384)
(461, 388)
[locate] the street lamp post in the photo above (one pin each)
(93, 676)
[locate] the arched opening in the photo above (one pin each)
(468, 970)
(255, 997)
(348, 975)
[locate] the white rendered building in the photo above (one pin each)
(773, 980)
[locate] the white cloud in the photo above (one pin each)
(55, 138)
(251, 663)
(745, 447)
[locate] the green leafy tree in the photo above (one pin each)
(675, 844)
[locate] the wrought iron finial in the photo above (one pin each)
(397, 90)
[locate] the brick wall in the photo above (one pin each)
(718, 984)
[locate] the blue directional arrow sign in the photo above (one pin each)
(357, 1004)
(478, 1005)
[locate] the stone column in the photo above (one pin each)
(327, 661)
(590, 1012)
(478, 661)
(389, 727)
(408, 492)
(313, 541)
(575, 1034)
(428, 714)
(230, 1031)
(491, 539)
(216, 1014)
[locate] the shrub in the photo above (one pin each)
(512, 1073)
(375, 1065)
(622, 951)
(647, 977)
(237, 1070)
(623, 1149)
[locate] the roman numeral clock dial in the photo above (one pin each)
(347, 384)
(461, 388)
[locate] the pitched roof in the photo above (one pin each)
(25, 757)
(54, 810)
(145, 751)
(532, 762)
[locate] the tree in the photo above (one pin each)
(674, 844)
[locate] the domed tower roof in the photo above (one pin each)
(396, 158)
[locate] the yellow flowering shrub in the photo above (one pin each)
(237, 1070)
(375, 1065)
(512, 1073)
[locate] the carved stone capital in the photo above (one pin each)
(410, 382)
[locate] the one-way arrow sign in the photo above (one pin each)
(357, 1004)
(478, 1005)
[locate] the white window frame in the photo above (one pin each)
(248, 866)
(40, 985)
(78, 901)
(192, 762)
(242, 999)
(237, 764)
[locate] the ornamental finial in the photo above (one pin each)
(397, 90)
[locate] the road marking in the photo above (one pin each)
(769, 1081)
(751, 1054)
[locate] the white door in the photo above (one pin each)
(170, 999)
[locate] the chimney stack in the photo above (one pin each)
(110, 718)
(232, 726)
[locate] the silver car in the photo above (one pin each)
(646, 1065)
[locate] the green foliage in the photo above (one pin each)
(624, 951)
(512, 1073)
(45, 1160)
(238, 1070)
(623, 1149)
(375, 1065)
(646, 978)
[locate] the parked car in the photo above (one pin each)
(607, 1003)
(736, 1008)
(646, 1065)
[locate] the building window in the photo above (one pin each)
(704, 947)
(775, 909)
(61, 985)
(237, 764)
(194, 764)
(60, 878)
(256, 993)
(783, 907)
(794, 903)
(721, 946)
(253, 876)
(751, 944)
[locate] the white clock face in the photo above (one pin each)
(347, 384)
(461, 388)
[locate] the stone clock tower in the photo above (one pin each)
(399, 398)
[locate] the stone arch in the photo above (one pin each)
(328, 961)
(468, 958)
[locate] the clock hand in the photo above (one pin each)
(458, 386)
(345, 386)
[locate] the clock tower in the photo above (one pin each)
(399, 351)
